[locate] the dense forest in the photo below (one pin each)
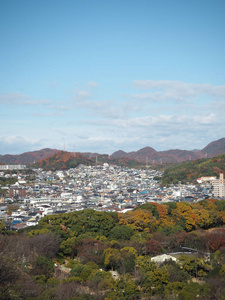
(189, 171)
(72, 256)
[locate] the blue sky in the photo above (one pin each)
(100, 76)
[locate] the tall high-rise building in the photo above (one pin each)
(219, 187)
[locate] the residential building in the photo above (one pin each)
(219, 187)
(12, 167)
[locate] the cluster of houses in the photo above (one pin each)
(101, 187)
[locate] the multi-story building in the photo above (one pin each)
(219, 187)
(12, 167)
(17, 193)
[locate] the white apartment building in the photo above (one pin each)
(219, 187)
(12, 167)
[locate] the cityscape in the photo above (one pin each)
(100, 187)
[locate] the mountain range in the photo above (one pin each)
(145, 155)
(150, 155)
(27, 157)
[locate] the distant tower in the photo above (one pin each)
(96, 160)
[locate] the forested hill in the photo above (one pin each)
(27, 157)
(71, 256)
(189, 171)
(63, 160)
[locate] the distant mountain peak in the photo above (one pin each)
(150, 155)
(119, 154)
(144, 155)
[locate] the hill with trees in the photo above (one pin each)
(27, 157)
(62, 160)
(152, 156)
(189, 171)
(72, 256)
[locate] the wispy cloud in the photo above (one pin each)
(92, 83)
(83, 95)
(166, 121)
(16, 144)
(20, 99)
(176, 90)
(169, 114)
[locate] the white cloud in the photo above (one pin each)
(18, 144)
(83, 95)
(176, 90)
(166, 121)
(169, 114)
(92, 83)
(20, 99)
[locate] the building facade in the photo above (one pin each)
(12, 167)
(219, 187)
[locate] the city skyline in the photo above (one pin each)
(100, 76)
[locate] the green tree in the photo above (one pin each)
(125, 289)
(82, 272)
(121, 232)
(66, 247)
(155, 281)
(128, 255)
(44, 266)
(112, 258)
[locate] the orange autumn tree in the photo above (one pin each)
(215, 216)
(164, 219)
(185, 211)
(139, 220)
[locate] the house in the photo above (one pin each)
(159, 259)
(32, 221)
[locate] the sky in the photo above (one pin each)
(107, 75)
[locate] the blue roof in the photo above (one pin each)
(16, 222)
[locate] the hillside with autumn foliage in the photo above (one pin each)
(27, 157)
(150, 155)
(72, 255)
(62, 160)
(146, 155)
(189, 171)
